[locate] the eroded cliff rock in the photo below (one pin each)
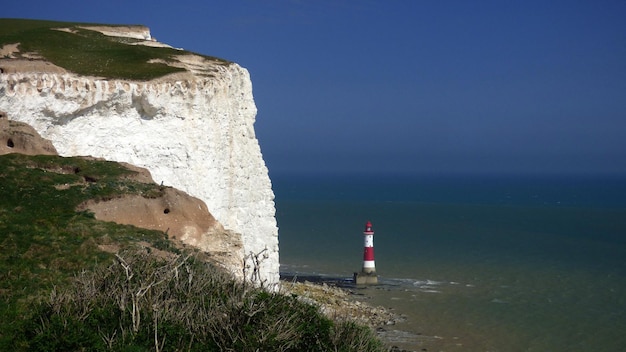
(193, 131)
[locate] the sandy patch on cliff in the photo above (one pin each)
(182, 217)
(176, 213)
(8, 50)
(68, 30)
(19, 137)
(12, 60)
(29, 65)
(136, 32)
(195, 65)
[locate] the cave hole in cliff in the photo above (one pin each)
(76, 170)
(90, 179)
(10, 143)
(166, 211)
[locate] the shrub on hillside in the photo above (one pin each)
(143, 302)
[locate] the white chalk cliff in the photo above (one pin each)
(193, 131)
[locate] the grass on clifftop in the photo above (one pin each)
(60, 292)
(88, 52)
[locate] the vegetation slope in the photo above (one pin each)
(61, 289)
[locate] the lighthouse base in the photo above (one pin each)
(365, 278)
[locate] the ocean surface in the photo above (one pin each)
(473, 263)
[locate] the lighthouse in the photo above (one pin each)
(368, 273)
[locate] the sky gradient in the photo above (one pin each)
(412, 87)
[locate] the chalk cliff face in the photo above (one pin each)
(192, 130)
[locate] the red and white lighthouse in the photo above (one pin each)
(369, 266)
(368, 273)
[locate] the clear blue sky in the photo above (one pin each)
(435, 87)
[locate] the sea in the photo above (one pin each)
(471, 263)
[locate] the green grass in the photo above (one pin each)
(87, 52)
(43, 240)
(60, 291)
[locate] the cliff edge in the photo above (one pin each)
(192, 128)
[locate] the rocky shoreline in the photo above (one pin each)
(340, 299)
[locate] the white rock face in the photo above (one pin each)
(193, 132)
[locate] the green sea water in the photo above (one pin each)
(475, 264)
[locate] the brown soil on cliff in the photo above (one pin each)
(183, 218)
(29, 65)
(18, 137)
(12, 60)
